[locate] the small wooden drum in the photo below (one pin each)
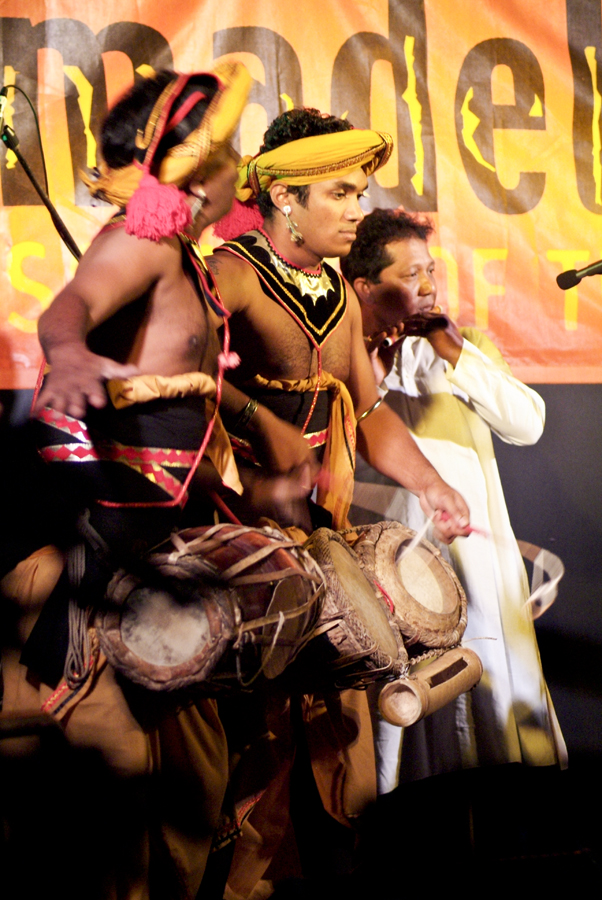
(218, 605)
(355, 641)
(408, 700)
(429, 602)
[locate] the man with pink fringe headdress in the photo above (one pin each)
(134, 318)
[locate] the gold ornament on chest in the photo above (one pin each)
(309, 284)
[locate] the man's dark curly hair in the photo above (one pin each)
(293, 125)
(119, 129)
(368, 255)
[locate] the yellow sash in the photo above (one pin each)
(335, 484)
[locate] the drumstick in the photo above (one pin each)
(409, 548)
(472, 529)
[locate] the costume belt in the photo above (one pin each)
(335, 483)
(148, 461)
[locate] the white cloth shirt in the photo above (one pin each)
(451, 412)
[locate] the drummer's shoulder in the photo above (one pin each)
(236, 279)
(114, 252)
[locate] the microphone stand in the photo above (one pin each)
(12, 142)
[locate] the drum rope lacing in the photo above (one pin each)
(433, 653)
(78, 649)
(232, 577)
(331, 622)
(265, 658)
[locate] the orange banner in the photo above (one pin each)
(495, 109)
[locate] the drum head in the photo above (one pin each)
(425, 579)
(430, 604)
(162, 631)
(360, 594)
(164, 637)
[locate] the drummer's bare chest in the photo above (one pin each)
(165, 331)
(270, 341)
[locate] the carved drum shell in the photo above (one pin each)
(363, 643)
(218, 605)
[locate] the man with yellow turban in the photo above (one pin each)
(297, 327)
(135, 314)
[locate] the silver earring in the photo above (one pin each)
(296, 236)
(200, 201)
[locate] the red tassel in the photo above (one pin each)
(229, 360)
(157, 210)
(242, 217)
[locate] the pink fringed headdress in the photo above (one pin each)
(155, 205)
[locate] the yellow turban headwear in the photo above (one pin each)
(312, 159)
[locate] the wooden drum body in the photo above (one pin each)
(355, 641)
(218, 605)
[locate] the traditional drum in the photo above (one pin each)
(216, 605)
(428, 600)
(355, 641)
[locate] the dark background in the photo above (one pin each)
(554, 496)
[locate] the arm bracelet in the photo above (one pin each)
(245, 416)
(370, 409)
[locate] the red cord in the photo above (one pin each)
(221, 504)
(388, 600)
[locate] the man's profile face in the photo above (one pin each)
(329, 221)
(217, 183)
(410, 280)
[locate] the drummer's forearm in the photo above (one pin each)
(233, 402)
(387, 445)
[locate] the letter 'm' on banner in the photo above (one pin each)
(144, 45)
(85, 96)
(84, 84)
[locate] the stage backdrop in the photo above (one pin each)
(494, 107)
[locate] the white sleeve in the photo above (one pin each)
(512, 410)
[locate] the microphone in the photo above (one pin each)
(569, 279)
